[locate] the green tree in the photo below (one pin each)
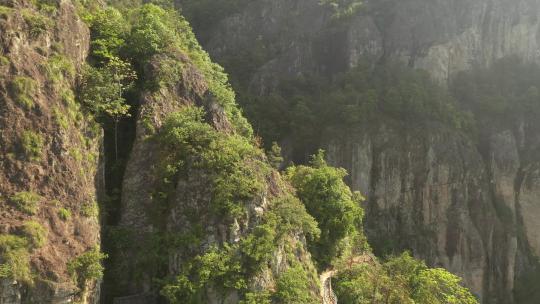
(330, 201)
(400, 280)
(108, 30)
(102, 91)
(292, 287)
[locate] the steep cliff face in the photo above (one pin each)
(442, 37)
(49, 156)
(468, 205)
(453, 204)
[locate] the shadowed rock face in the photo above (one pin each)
(443, 37)
(472, 208)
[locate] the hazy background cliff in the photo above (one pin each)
(468, 203)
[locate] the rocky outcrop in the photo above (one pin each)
(187, 209)
(49, 151)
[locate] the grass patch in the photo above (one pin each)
(5, 11)
(23, 88)
(46, 6)
(61, 119)
(90, 209)
(58, 68)
(64, 214)
(35, 233)
(37, 23)
(14, 258)
(32, 144)
(4, 61)
(26, 201)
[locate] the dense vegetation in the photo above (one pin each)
(335, 208)
(236, 174)
(399, 280)
(505, 93)
(302, 109)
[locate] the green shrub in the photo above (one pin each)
(87, 267)
(330, 201)
(292, 287)
(217, 267)
(64, 214)
(35, 233)
(37, 23)
(401, 279)
(14, 258)
(108, 30)
(26, 201)
(32, 145)
(23, 89)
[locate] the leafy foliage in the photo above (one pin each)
(90, 209)
(292, 287)
(230, 267)
(87, 267)
(303, 108)
(108, 31)
(329, 200)
(27, 201)
(401, 279)
(506, 92)
(218, 267)
(236, 168)
(102, 89)
(160, 31)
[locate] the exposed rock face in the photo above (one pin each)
(433, 194)
(443, 37)
(473, 209)
(47, 147)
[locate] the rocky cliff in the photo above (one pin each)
(442, 37)
(49, 156)
(463, 203)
